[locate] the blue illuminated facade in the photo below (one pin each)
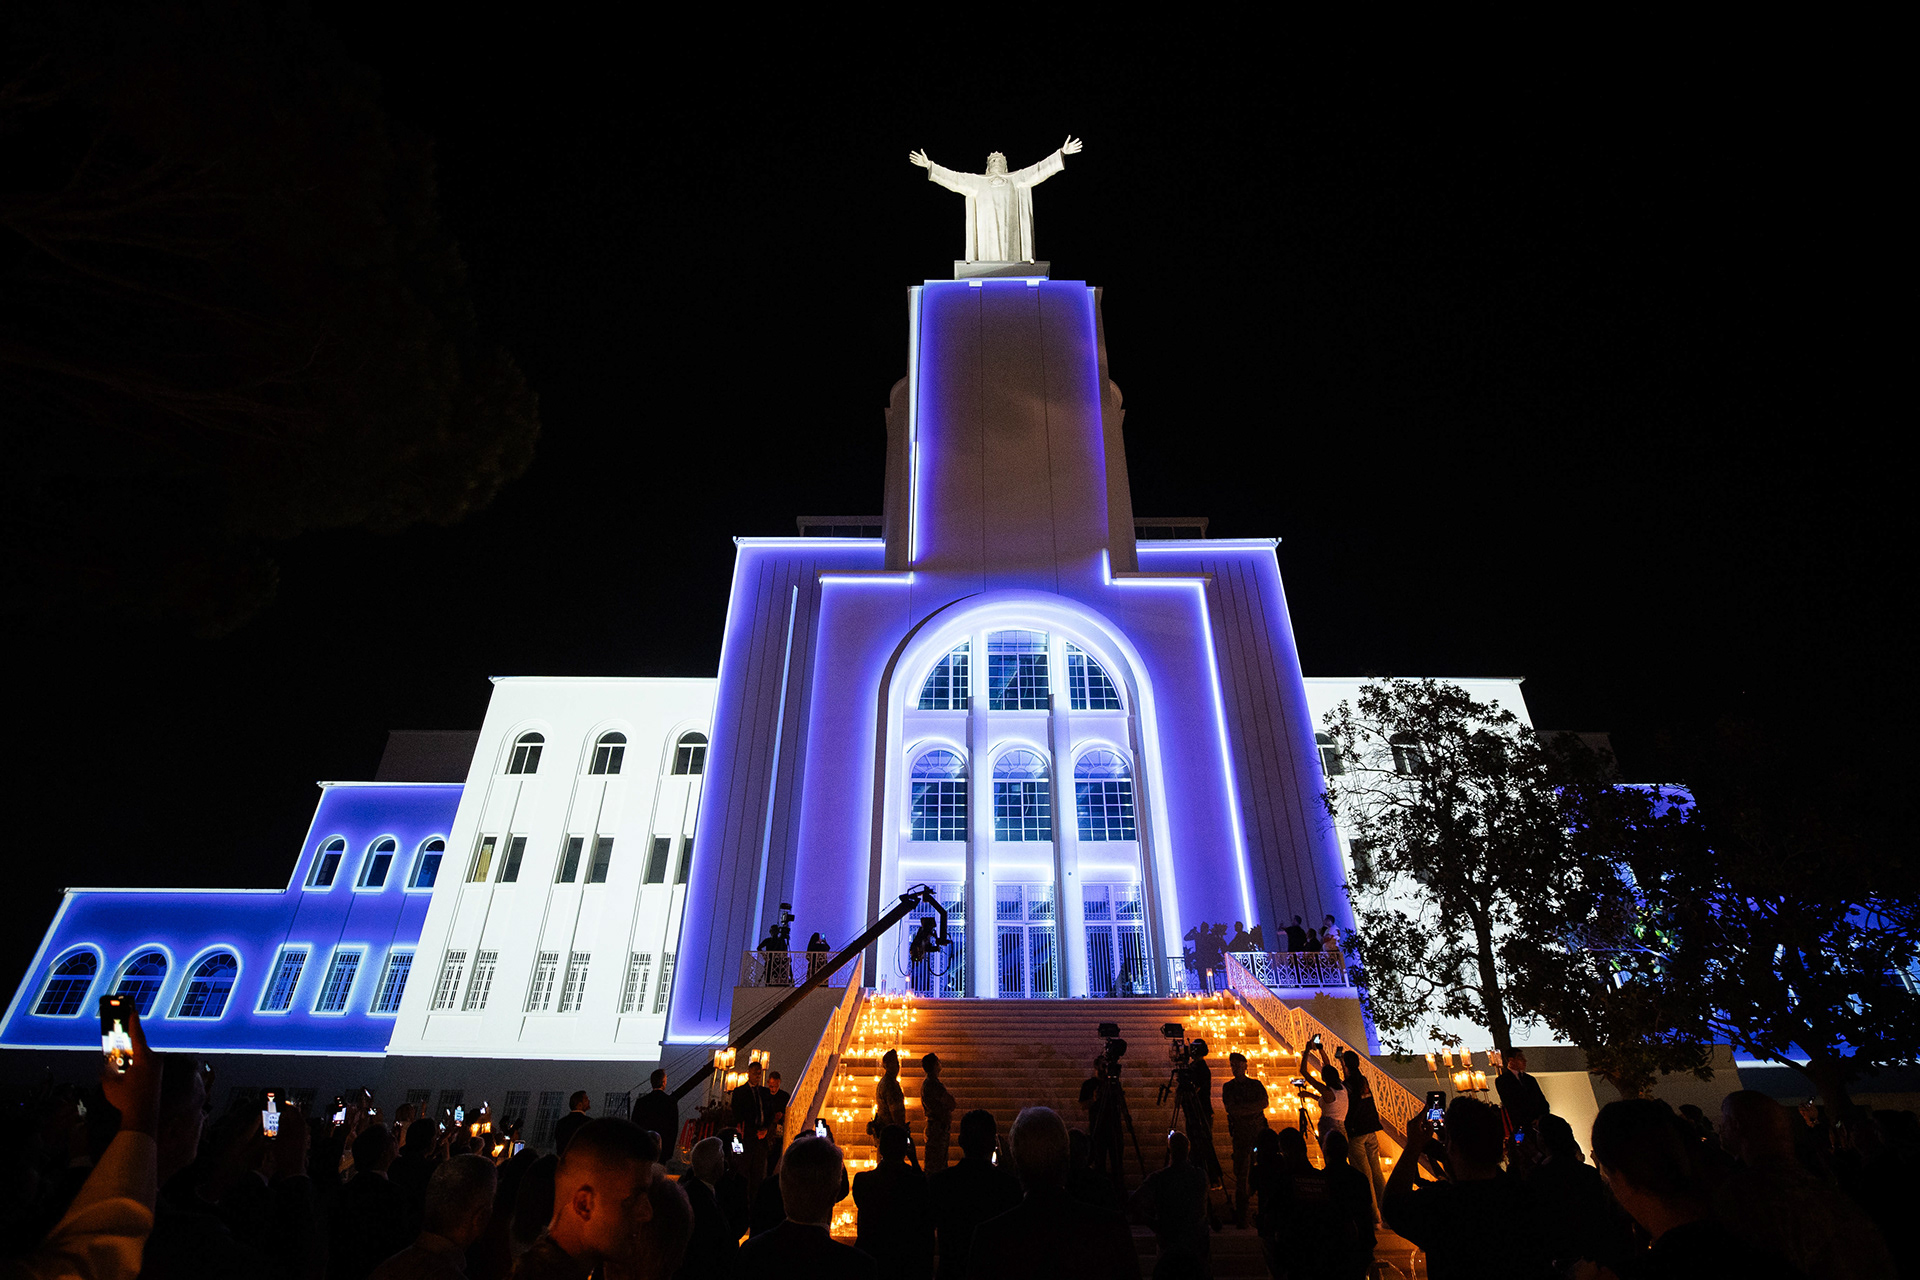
(318, 967)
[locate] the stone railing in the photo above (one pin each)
(786, 968)
(1397, 1104)
(811, 1089)
(1296, 968)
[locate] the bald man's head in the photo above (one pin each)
(600, 1190)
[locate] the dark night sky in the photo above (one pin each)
(1571, 375)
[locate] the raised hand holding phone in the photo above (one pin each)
(133, 1089)
(116, 1042)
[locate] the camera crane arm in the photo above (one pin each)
(894, 915)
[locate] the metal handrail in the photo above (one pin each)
(785, 968)
(1293, 1027)
(815, 1082)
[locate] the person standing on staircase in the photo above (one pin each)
(1196, 1106)
(753, 1113)
(970, 1192)
(1246, 1102)
(1173, 1201)
(936, 1103)
(890, 1104)
(1363, 1128)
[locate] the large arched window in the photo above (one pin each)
(608, 753)
(940, 797)
(947, 687)
(1329, 755)
(326, 863)
(1017, 671)
(1022, 805)
(1088, 688)
(140, 981)
(67, 985)
(374, 871)
(1103, 794)
(690, 756)
(205, 992)
(526, 753)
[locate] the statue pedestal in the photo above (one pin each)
(975, 270)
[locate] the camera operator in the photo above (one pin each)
(1104, 1097)
(1196, 1105)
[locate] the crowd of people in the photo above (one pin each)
(140, 1178)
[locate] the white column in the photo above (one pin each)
(1069, 910)
(983, 969)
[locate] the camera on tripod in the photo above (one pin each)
(1115, 1048)
(1177, 1053)
(782, 933)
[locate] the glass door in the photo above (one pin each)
(1117, 962)
(1023, 917)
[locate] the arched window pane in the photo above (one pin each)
(326, 864)
(208, 988)
(1088, 688)
(67, 986)
(526, 754)
(426, 868)
(1103, 797)
(939, 809)
(140, 981)
(690, 757)
(379, 863)
(1022, 798)
(609, 752)
(1017, 671)
(1329, 755)
(947, 687)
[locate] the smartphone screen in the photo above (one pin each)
(739, 1148)
(820, 1129)
(340, 1116)
(270, 1116)
(116, 1043)
(518, 1147)
(1436, 1107)
(459, 1115)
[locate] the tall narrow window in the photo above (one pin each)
(633, 993)
(1360, 854)
(666, 984)
(573, 992)
(570, 859)
(1329, 755)
(326, 863)
(452, 970)
(1103, 794)
(690, 756)
(516, 850)
(480, 985)
(208, 986)
(526, 753)
(609, 752)
(140, 980)
(947, 687)
(393, 983)
(546, 1117)
(686, 860)
(602, 860)
(1022, 805)
(939, 809)
(657, 859)
(373, 872)
(1408, 758)
(284, 980)
(482, 860)
(426, 864)
(67, 986)
(338, 985)
(545, 970)
(1017, 671)
(1088, 688)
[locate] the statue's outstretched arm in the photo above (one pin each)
(920, 158)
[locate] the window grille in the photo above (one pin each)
(690, 757)
(285, 980)
(526, 753)
(393, 983)
(570, 859)
(516, 851)
(516, 1106)
(209, 986)
(480, 985)
(338, 985)
(573, 992)
(545, 970)
(609, 752)
(666, 983)
(426, 867)
(447, 990)
(326, 864)
(67, 987)
(1088, 687)
(621, 1105)
(946, 687)
(939, 809)
(1103, 797)
(140, 981)
(633, 995)
(1022, 803)
(602, 859)
(551, 1100)
(1017, 671)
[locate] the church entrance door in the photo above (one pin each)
(1024, 921)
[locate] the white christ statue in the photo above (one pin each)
(999, 204)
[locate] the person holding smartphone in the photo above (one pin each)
(1479, 1220)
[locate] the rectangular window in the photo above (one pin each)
(545, 970)
(286, 977)
(393, 982)
(608, 755)
(1360, 854)
(686, 861)
(326, 866)
(633, 995)
(1106, 809)
(690, 757)
(426, 868)
(602, 859)
(573, 992)
(621, 1105)
(339, 982)
(570, 859)
(515, 1112)
(452, 970)
(1017, 671)
(666, 983)
(547, 1116)
(940, 811)
(378, 865)
(657, 859)
(516, 850)
(480, 985)
(1022, 809)
(482, 860)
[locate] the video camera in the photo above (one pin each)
(782, 933)
(1115, 1048)
(1178, 1054)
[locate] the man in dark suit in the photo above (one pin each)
(753, 1113)
(579, 1111)
(1520, 1093)
(1049, 1234)
(711, 1253)
(970, 1192)
(812, 1180)
(895, 1215)
(659, 1112)
(1296, 936)
(372, 1220)
(780, 1100)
